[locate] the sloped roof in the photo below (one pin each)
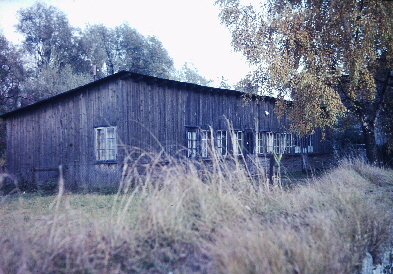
(137, 77)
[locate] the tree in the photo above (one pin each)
(50, 40)
(158, 60)
(50, 82)
(189, 74)
(224, 83)
(12, 74)
(96, 46)
(328, 56)
(124, 48)
(48, 34)
(385, 125)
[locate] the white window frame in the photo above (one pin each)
(274, 142)
(297, 144)
(222, 142)
(105, 143)
(192, 142)
(277, 143)
(260, 142)
(269, 142)
(206, 138)
(238, 143)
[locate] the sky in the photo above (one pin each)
(189, 29)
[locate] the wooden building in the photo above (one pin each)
(89, 129)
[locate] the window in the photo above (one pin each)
(269, 142)
(261, 143)
(288, 143)
(303, 144)
(309, 143)
(277, 143)
(191, 139)
(238, 143)
(222, 144)
(105, 143)
(205, 142)
(282, 143)
(297, 143)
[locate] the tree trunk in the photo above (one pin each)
(370, 142)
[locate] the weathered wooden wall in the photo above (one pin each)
(149, 113)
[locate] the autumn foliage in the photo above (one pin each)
(329, 57)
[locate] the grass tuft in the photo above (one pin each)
(214, 218)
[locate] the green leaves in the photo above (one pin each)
(124, 48)
(58, 52)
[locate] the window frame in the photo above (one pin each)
(238, 143)
(297, 144)
(260, 142)
(222, 142)
(270, 136)
(191, 142)
(268, 142)
(288, 143)
(105, 144)
(206, 139)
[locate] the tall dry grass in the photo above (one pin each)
(202, 219)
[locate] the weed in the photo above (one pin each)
(205, 218)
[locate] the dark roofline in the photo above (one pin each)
(122, 75)
(39, 103)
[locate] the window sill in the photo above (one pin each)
(105, 162)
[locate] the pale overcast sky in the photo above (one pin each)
(189, 29)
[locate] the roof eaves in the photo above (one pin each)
(120, 74)
(123, 75)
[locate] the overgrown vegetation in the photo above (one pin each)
(212, 219)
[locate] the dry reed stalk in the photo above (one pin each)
(206, 219)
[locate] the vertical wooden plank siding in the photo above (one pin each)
(149, 113)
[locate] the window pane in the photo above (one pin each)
(105, 143)
(204, 143)
(110, 132)
(100, 138)
(101, 154)
(276, 143)
(111, 143)
(261, 142)
(288, 145)
(111, 154)
(222, 142)
(237, 147)
(269, 142)
(191, 143)
(297, 144)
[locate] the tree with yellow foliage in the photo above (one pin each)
(330, 57)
